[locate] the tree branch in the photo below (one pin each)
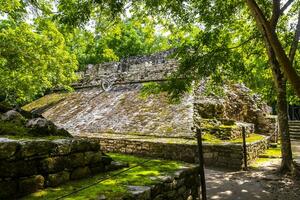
(283, 59)
(295, 42)
(275, 13)
(285, 6)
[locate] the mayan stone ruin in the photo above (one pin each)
(107, 104)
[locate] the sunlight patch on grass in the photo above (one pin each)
(272, 152)
(213, 139)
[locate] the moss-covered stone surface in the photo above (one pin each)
(114, 185)
(45, 102)
(121, 111)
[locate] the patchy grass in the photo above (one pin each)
(114, 187)
(252, 138)
(272, 152)
(207, 137)
(45, 101)
(213, 139)
(271, 155)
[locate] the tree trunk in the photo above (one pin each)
(269, 32)
(282, 111)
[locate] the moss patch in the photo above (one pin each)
(114, 187)
(45, 101)
(12, 128)
(207, 137)
(274, 152)
(213, 139)
(251, 138)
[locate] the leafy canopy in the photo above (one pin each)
(33, 59)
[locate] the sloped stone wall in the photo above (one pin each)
(29, 165)
(123, 111)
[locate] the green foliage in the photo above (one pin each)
(9, 5)
(129, 38)
(33, 59)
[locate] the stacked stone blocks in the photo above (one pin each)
(228, 155)
(29, 165)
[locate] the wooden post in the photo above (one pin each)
(244, 148)
(201, 164)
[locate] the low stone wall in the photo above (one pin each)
(183, 185)
(28, 165)
(226, 155)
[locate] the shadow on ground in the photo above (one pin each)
(260, 183)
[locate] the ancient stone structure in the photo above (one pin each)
(183, 184)
(108, 104)
(228, 155)
(29, 165)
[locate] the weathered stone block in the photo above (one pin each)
(18, 168)
(32, 184)
(57, 179)
(140, 192)
(181, 190)
(92, 157)
(7, 148)
(208, 155)
(98, 168)
(76, 160)
(106, 160)
(53, 164)
(80, 172)
(8, 189)
(62, 147)
(82, 145)
(35, 148)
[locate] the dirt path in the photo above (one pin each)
(261, 183)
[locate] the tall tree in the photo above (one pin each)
(268, 29)
(281, 64)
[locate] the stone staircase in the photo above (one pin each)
(294, 129)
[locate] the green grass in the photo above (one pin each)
(272, 152)
(115, 187)
(207, 137)
(270, 155)
(252, 138)
(213, 139)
